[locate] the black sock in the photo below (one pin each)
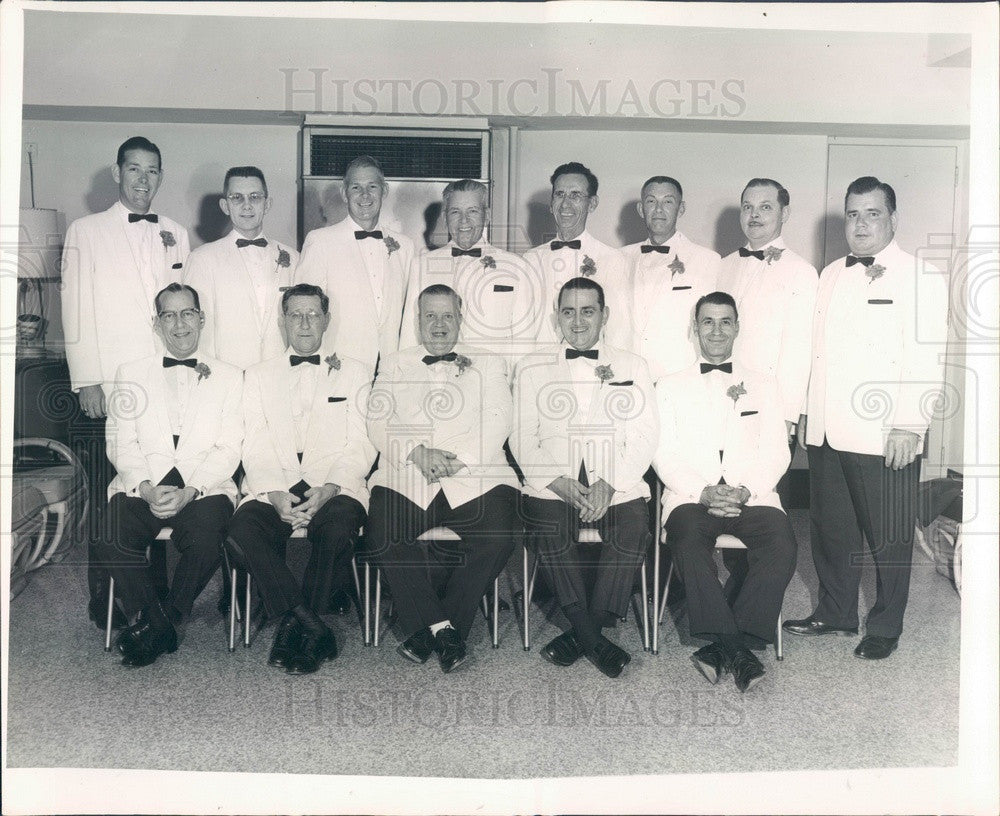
(606, 620)
(583, 625)
(310, 620)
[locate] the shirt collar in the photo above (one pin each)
(123, 212)
(778, 243)
(234, 236)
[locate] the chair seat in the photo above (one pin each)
(439, 534)
(589, 535)
(729, 542)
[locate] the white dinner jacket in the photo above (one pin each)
(502, 303)
(465, 412)
(139, 437)
(755, 442)
(107, 308)
(336, 449)
(554, 267)
(663, 300)
(235, 330)
(878, 343)
(775, 300)
(331, 259)
(610, 425)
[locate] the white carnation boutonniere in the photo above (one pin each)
(168, 238)
(284, 259)
(461, 363)
(332, 362)
(874, 272)
(734, 392)
(772, 254)
(391, 244)
(676, 266)
(203, 371)
(604, 373)
(588, 267)
(488, 262)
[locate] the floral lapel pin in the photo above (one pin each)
(874, 272)
(168, 238)
(676, 266)
(461, 363)
(588, 267)
(284, 259)
(203, 371)
(332, 362)
(772, 254)
(604, 373)
(390, 243)
(488, 262)
(734, 392)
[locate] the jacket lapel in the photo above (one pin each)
(158, 396)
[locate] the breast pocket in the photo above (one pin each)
(335, 415)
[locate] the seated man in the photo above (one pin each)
(174, 431)
(723, 447)
(584, 433)
(306, 456)
(439, 414)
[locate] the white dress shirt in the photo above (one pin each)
(373, 255)
(304, 379)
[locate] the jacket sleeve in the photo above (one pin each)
(264, 472)
(122, 433)
(79, 315)
(795, 357)
(198, 275)
(383, 413)
(223, 457)
(312, 264)
(540, 468)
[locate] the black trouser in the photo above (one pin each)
(555, 525)
(446, 580)
(851, 494)
(197, 533)
(257, 537)
(771, 551)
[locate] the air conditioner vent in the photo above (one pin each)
(412, 157)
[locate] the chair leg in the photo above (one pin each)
(368, 604)
(232, 610)
(111, 608)
(246, 616)
(496, 612)
(378, 606)
(645, 609)
(779, 652)
(666, 592)
(354, 573)
(655, 644)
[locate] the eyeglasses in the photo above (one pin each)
(237, 199)
(186, 315)
(303, 317)
(576, 196)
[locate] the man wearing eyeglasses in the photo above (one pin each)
(240, 277)
(175, 427)
(574, 252)
(306, 453)
(114, 262)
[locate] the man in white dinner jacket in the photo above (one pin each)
(669, 272)
(879, 335)
(439, 415)
(363, 266)
(114, 263)
(575, 252)
(501, 296)
(306, 455)
(175, 427)
(240, 278)
(722, 450)
(584, 433)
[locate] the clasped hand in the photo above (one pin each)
(724, 501)
(592, 502)
(434, 463)
(299, 513)
(166, 501)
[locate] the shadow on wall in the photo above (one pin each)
(728, 233)
(541, 227)
(103, 191)
(829, 238)
(631, 228)
(213, 223)
(435, 229)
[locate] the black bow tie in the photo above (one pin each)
(574, 244)
(663, 249)
(170, 362)
(572, 354)
(152, 218)
(867, 260)
(752, 253)
(245, 242)
(362, 234)
(475, 252)
(430, 359)
(312, 359)
(726, 367)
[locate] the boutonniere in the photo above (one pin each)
(168, 238)
(734, 392)
(676, 266)
(604, 373)
(773, 253)
(488, 262)
(203, 371)
(461, 363)
(588, 267)
(332, 362)
(284, 259)
(390, 243)
(874, 272)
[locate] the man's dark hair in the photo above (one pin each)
(137, 143)
(869, 184)
(249, 171)
(439, 289)
(582, 284)
(716, 299)
(174, 288)
(661, 180)
(465, 186)
(364, 161)
(578, 169)
(783, 197)
(306, 290)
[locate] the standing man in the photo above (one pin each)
(879, 332)
(114, 263)
(363, 266)
(174, 433)
(722, 450)
(669, 273)
(501, 295)
(576, 253)
(240, 278)
(584, 433)
(439, 415)
(306, 455)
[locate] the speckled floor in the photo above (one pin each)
(505, 714)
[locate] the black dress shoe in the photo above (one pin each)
(712, 661)
(746, 668)
(147, 643)
(418, 647)
(450, 647)
(286, 642)
(563, 650)
(876, 647)
(314, 648)
(811, 626)
(608, 657)
(97, 610)
(340, 602)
